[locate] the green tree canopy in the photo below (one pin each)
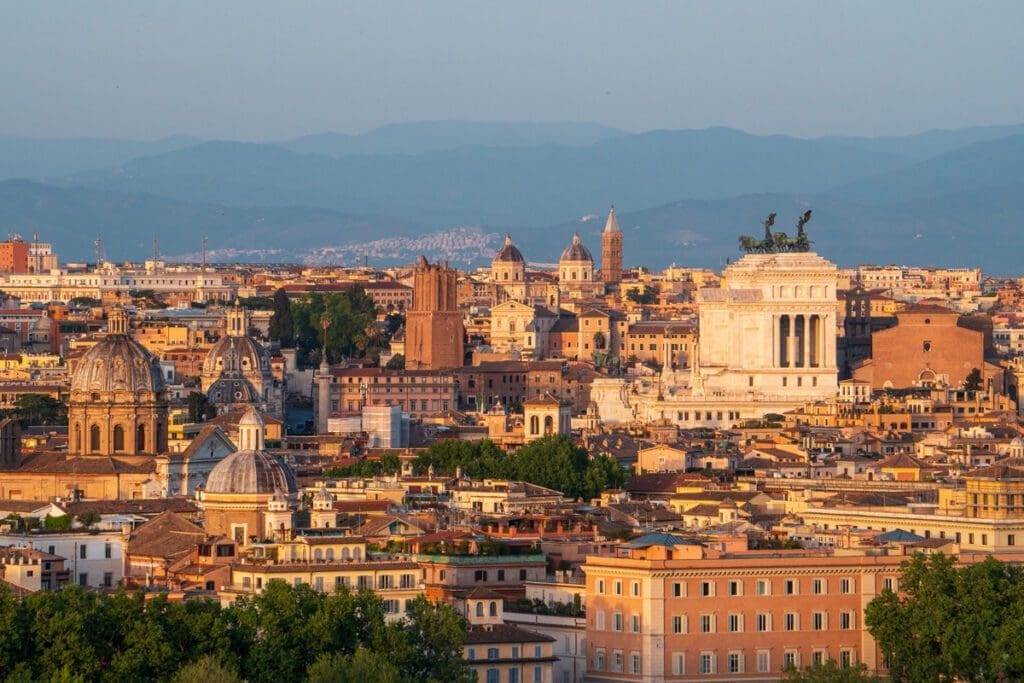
(278, 635)
(973, 381)
(952, 622)
(351, 314)
(282, 325)
(40, 409)
(553, 462)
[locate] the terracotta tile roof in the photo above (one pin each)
(169, 535)
(503, 633)
(61, 463)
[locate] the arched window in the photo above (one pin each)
(479, 609)
(94, 439)
(357, 554)
(140, 439)
(118, 439)
(317, 554)
(549, 425)
(494, 609)
(534, 424)
(345, 554)
(330, 554)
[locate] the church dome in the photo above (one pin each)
(118, 365)
(250, 472)
(576, 251)
(238, 355)
(508, 252)
(232, 390)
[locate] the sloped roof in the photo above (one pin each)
(167, 535)
(652, 539)
(1009, 468)
(898, 536)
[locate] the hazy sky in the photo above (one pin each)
(260, 70)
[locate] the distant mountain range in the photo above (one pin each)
(453, 188)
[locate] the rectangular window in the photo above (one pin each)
(599, 621)
(735, 588)
(538, 674)
(617, 621)
(764, 622)
(792, 587)
(818, 586)
(599, 660)
(707, 588)
(735, 663)
(846, 658)
(81, 552)
(818, 657)
(634, 663)
(513, 676)
(678, 663)
(600, 586)
(791, 658)
(634, 623)
(846, 585)
(707, 623)
(618, 587)
(819, 621)
(677, 590)
(792, 623)
(707, 663)
(492, 653)
(764, 587)
(636, 589)
(735, 623)
(617, 661)
(764, 661)
(107, 551)
(678, 624)
(846, 620)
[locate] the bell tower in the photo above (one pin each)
(611, 251)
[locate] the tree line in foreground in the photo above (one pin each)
(286, 633)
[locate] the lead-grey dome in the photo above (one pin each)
(118, 365)
(251, 472)
(576, 251)
(509, 253)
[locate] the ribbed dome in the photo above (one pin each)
(232, 390)
(118, 364)
(576, 251)
(508, 252)
(250, 472)
(237, 354)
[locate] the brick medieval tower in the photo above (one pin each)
(611, 251)
(433, 326)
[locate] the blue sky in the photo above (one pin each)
(263, 71)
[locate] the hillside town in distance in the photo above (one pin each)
(611, 474)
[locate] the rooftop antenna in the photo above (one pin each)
(155, 245)
(99, 251)
(204, 253)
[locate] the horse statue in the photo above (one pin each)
(802, 243)
(782, 242)
(749, 244)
